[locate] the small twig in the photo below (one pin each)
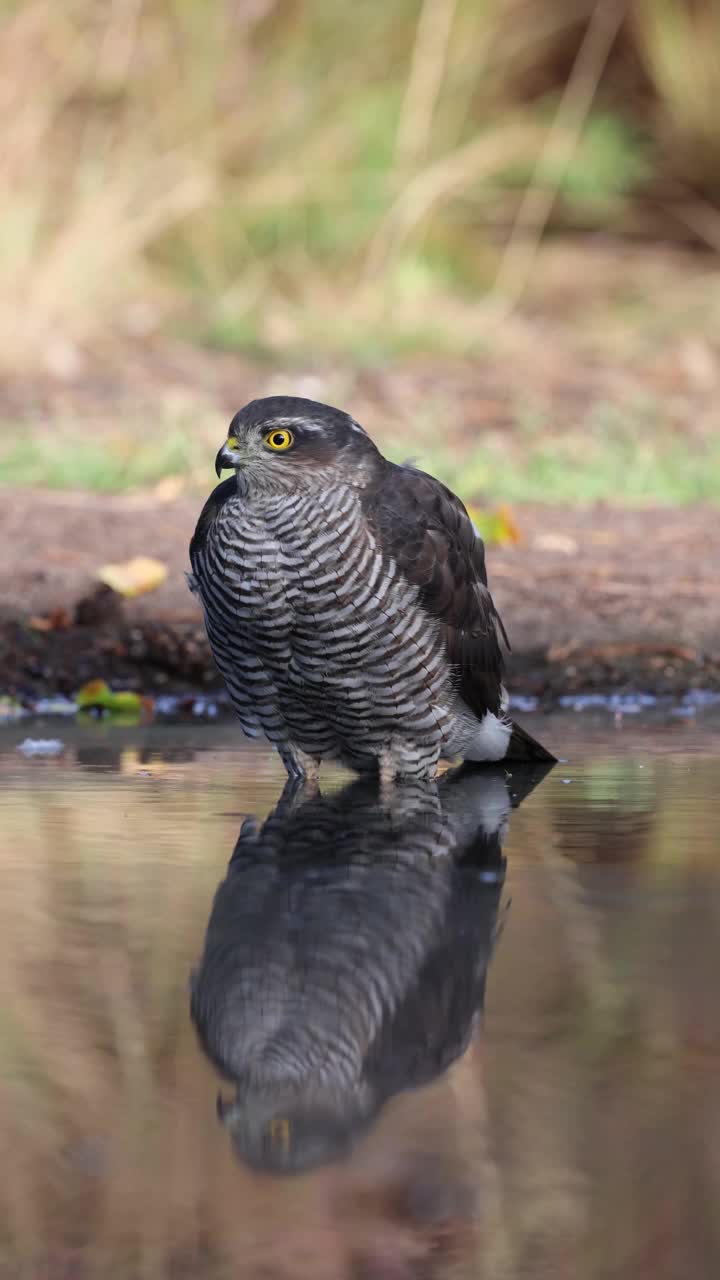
(427, 70)
(457, 170)
(118, 43)
(611, 652)
(560, 145)
(700, 217)
(685, 589)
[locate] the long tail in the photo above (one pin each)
(522, 746)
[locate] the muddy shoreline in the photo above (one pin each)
(599, 598)
(164, 657)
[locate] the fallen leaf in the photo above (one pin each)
(169, 488)
(56, 620)
(122, 702)
(133, 577)
(556, 542)
(510, 528)
(497, 526)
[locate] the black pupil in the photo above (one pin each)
(279, 438)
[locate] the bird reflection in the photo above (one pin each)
(346, 954)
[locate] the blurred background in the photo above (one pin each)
(487, 227)
(490, 229)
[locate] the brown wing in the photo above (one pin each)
(426, 529)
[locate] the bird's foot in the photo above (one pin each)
(302, 769)
(295, 794)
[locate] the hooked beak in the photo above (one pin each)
(226, 457)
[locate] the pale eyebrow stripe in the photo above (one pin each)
(278, 423)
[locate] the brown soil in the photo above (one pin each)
(596, 598)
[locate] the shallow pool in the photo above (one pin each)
(458, 1031)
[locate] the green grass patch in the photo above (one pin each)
(611, 460)
(615, 456)
(672, 475)
(95, 462)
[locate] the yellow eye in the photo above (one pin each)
(279, 440)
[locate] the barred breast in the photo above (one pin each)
(321, 640)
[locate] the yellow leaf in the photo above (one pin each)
(122, 702)
(509, 529)
(134, 576)
(550, 541)
(497, 525)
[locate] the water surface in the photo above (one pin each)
(462, 1031)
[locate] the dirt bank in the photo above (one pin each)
(596, 598)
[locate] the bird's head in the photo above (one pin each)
(290, 1132)
(284, 442)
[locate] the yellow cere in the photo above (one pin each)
(279, 439)
(231, 442)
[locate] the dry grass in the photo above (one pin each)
(270, 176)
(679, 45)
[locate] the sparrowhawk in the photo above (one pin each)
(346, 601)
(345, 957)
